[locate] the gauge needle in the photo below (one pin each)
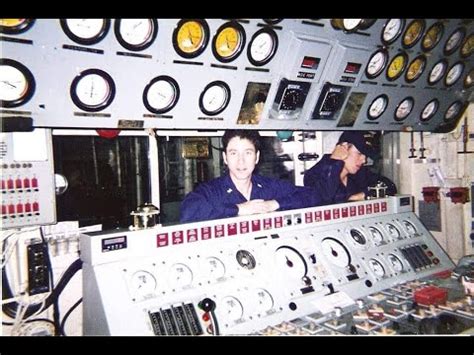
(8, 83)
(333, 252)
(289, 262)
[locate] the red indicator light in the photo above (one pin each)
(310, 62)
(352, 68)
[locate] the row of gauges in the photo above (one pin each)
(379, 60)
(190, 37)
(94, 89)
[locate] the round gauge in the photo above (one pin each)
(437, 72)
(467, 46)
(85, 31)
(136, 34)
(351, 24)
(430, 110)
(454, 73)
(142, 283)
(263, 299)
(395, 262)
(413, 33)
(180, 275)
(404, 108)
(454, 40)
(377, 268)
(410, 227)
(392, 30)
(454, 111)
(415, 69)
(262, 46)
(377, 107)
(367, 23)
(397, 66)
(214, 268)
(13, 26)
(17, 84)
(377, 236)
(393, 231)
(272, 21)
(161, 94)
(377, 63)
(231, 308)
(228, 42)
(214, 98)
(336, 252)
(190, 37)
(469, 79)
(92, 90)
(291, 262)
(358, 237)
(245, 259)
(336, 23)
(432, 36)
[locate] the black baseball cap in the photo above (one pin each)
(363, 140)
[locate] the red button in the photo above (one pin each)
(26, 183)
(27, 207)
(34, 182)
(35, 206)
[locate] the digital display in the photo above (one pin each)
(352, 68)
(114, 243)
(310, 62)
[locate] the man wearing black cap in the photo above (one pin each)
(342, 176)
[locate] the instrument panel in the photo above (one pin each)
(305, 74)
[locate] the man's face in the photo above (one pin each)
(241, 158)
(355, 159)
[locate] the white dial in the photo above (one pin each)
(13, 83)
(161, 94)
(377, 107)
(214, 98)
(404, 108)
(377, 268)
(263, 299)
(395, 262)
(411, 229)
(262, 46)
(335, 252)
(214, 268)
(454, 74)
(453, 111)
(350, 24)
(377, 236)
(92, 90)
(377, 63)
(142, 283)
(231, 308)
(429, 110)
(454, 41)
(85, 31)
(136, 34)
(180, 275)
(290, 262)
(437, 72)
(393, 231)
(392, 29)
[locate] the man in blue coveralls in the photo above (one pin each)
(241, 192)
(342, 176)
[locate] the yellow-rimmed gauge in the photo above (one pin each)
(429, 110)
(454, 111)
(13, 26)
(136, 34)
(437, 72)
(262, 46)
(190, 37)
(228, 42)
(432, 36)
(404, 108)
(397, 66)
(85, 31)
(413, 33)
(415, 68)
(214, 98)
(161, 94)
(469, 79)
(454, 73)
(392, 30)
(467, 46)
(377, 107)
(92, 90)
(454, 40)
(17, 83)
(377, 63)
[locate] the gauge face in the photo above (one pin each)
(358, 237)
(404, 108)
(92, 90)
(454, 40)
(377, 268)
(392, 30)
(190, 37)
(454, 73)
(397, 66)
(395, 262)
(377, 107)
(136, 34)
(336, 252)
(351, 24)
(161, 94)
(85, 31)
(262, 46)
(469, 79)
(142, 283)
(437, 72)
(415, 69)
(377, 63)
(215, 98)
(13, 26)
(411, 229)
(231, 308)
(467, 46)
(290, 262)
(432, 36)
(214, 268)
(180, 275)
(228, 42)
(454, 111)
(393, 231)
(413, 33)
(17, 84)
(264, 300)
(377, 236)
(430, 110)
(245, 259)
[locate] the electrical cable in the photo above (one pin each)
(66, 316)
